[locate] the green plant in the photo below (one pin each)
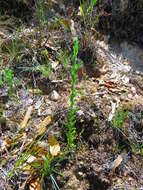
(1, 79)
(64, 58)
(91, 5)
(41, 14)
(86, 11)
(65, 23)
(120, 116)
(47, 170)
(83, 10)
(2, 117)
(23, 157)
(45, 70)
(45, 162)
(137, 148)
(13, 49)
(0, 16)
(7, 78)
(71, 130)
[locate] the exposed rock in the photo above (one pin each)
(55, 96)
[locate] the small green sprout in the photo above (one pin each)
(64, 58)
(91, 5)
(41, 14)
(13, 50)
(120, 116)
(71, 130)
(86, 11)
(8, 79)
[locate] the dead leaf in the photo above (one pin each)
(110, 84)
(73, 31)
(35, 91)
(112, 113)
(35, 184)
(39, 150)
(54, 145)
(42, 128)
(6, 144)
(54, 64)
(27, 117)
(65, 22)
(114, 105)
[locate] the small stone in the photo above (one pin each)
(130, 96)
(133, 90)
(81, 163)
(48, 111)
(80, 112)
(38, 104)
(80, 173)
(55, 96)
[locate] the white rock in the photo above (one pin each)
(48, 111)
(80, 173)
(80, 112)
(55, 96)
(31, 159)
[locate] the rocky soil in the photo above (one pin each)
(107, 155)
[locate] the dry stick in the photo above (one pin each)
(21, 148)
(26, 117)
